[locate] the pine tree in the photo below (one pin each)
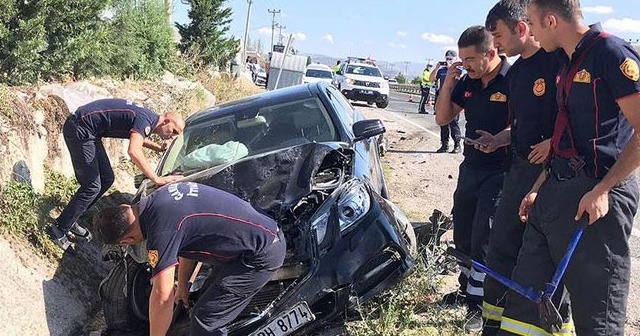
(204, 36)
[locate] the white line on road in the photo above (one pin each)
(434, 134)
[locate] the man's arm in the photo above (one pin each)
(136, 142)
(493, 142)
(530, 197)
(596, 201)
(161, 302)
(432, 75)
(152, 145)
(185, 269)
(447, 110)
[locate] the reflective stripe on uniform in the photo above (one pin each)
(526, 329)
(491, 312)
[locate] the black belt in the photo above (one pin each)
(564, 169)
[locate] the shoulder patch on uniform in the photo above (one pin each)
(498, 97)
(539, 87)
(582, 76)
(630, 69)
(147, 131)
(152, 255)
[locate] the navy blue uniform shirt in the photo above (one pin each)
(440, 76)
(532, 99)
(115, 118)
(484, 109)
(609, 71)
(203, 223)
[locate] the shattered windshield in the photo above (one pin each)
(223, 139)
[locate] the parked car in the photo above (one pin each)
(305, 157)
(261, 77)
(317, 72)
(362, 81)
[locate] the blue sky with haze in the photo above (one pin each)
(395, 31)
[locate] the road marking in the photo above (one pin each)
(432, 133)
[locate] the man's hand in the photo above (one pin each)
(453, 72)
(182, 295)
(526, 204)
(489, 141)
(540, 152)
(162, 180)
(595, 203)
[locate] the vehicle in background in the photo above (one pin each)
(360, 79)
(304, 156)
(261, 78)
(317, 72)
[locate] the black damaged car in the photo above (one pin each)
(304, 156)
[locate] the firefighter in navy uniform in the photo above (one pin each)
(483, 94)
(83, 132)
(188, 222)
(533, 109)
(594, 154)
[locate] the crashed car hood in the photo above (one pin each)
(274, 181)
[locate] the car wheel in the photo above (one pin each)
(117, 305)
(383, 104)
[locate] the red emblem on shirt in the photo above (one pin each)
(468, 94)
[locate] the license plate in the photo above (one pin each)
(367, 92)
(288, 321)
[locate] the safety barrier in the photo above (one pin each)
(406, 88)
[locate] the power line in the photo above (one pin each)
(273, 24)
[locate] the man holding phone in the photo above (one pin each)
(483, 94)
(452, 128)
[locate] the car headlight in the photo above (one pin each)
(351, 202)
(350, 81)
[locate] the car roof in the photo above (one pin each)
(318, 67)
(258, 101)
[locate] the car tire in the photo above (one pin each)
(118, 308)
(383, 104)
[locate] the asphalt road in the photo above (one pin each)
(400, 107)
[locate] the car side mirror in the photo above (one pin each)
(137, 180)
(367, 128)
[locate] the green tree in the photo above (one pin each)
(401, 79)
(204, 36)
(142, 40)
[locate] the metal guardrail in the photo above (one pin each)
(406, 88)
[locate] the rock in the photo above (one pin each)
(450, 177)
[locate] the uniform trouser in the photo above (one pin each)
(424, 99)
(452, 129)
(597, 277)
(233, 286)
(473, 205)
(505, 242)
(92, 169)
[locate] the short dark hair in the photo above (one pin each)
(511, 12)
(476, 36)
(111, 224)
(567, 9)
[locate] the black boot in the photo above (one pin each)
(80, 232)
(456, 148)
(58, 237)
(443, 149)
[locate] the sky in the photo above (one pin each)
(394, 31)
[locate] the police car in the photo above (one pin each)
(359, 79)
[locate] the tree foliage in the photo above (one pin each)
(204, 37)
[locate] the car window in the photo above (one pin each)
(219, 140)
(318, 73)
(345, 110)
(363, 70)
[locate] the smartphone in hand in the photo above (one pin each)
(473, 141)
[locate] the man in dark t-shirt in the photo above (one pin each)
(187, 222)
(483, 94)
(83, 132)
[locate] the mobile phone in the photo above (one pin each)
(473, 141)
(443, 63)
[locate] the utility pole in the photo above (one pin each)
(406, 72)
(273, 25)
(246, 33)
(280, 27)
